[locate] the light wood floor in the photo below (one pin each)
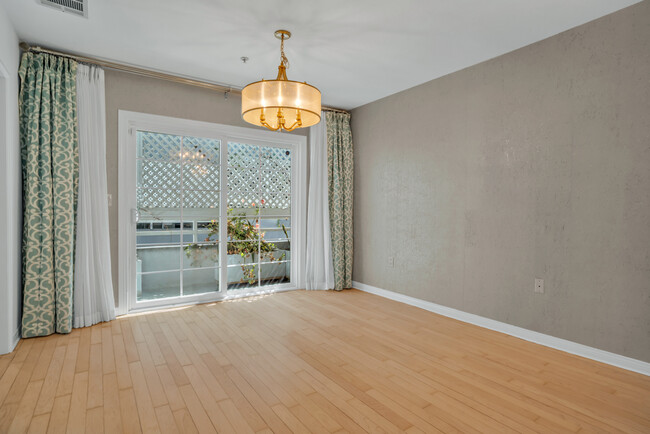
(309, 362)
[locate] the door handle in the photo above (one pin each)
(135, 216)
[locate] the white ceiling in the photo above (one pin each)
(355, 51)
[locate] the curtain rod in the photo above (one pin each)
(147, 72)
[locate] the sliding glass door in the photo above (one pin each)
(211, 213)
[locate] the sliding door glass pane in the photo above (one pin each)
(276, 158)
(151, 286)
(201, 197)
(276, 228)
(275, 273)
(259, 185)
(158, 147)
(200, 281)
(178, 195)
(158, 227)
(200, 255)
(242, 275)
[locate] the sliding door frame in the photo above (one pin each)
(128, 125)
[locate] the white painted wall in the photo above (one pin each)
(10, 188)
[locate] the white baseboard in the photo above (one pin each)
(528, 335)
(15, 339)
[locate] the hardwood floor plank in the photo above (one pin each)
(341, 418)
(8, 378)
(7, 412)
(39, 424)
(23, 417)
(108, 357)
(96, 334)
(5, 361)
(154, 385)
(289, 419)
(166, 420)
(95, 377)
(238, 419)
(170, 387)
(143, 398)
(198, 372)
(129, 412)
(223, 389)
(45, 359)
(78, 403)
(129, 340)
(23, 378)
(198, 414)
(23, 348)
(174, 365)
(51, 381)
(121, 362)
(59, 416)
(317, 361)
(95, 420)
(83, 353)
(262, 406)
(184, 422)
(112, 415)
(175, 345)
(69, 368)
(154, 350)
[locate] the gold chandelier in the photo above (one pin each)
(281, 104)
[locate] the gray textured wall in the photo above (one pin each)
(147, 95)
(532, 164)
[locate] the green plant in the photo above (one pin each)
(244, 239)
(284, 228)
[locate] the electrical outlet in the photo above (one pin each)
(539, 286)
(391, 261)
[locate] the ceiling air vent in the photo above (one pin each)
(78, 7)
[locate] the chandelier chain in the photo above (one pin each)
(283, 59)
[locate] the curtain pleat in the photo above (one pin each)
(49, 154)
(340, 158)
(93, 299)
(319, 266)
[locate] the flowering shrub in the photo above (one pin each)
(244, 239)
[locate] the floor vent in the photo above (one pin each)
(78, 7)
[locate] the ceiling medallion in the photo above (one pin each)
(281, 104)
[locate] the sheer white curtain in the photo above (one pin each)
(319, 266)
(93, 300)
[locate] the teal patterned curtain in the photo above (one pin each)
(49, 151)
(340, 160)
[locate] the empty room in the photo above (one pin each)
(287, 216)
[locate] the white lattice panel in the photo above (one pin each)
(162, 147)
(257, 176)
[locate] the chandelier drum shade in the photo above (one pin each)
(281, 104)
